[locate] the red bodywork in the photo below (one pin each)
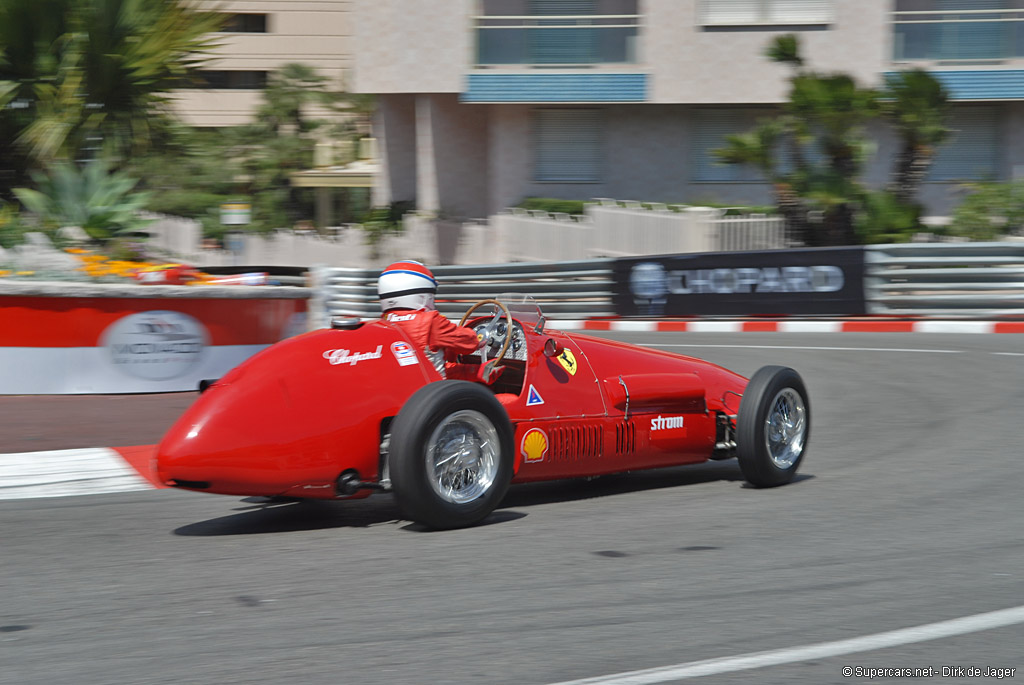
(291, 419)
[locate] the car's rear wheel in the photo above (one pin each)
(450, 455)
(773, 427)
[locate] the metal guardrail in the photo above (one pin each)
(564, 290)
(964, 280)
(945, 279)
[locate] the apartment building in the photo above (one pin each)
(260, 37)
(485, 102)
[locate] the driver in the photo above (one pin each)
(406, 291)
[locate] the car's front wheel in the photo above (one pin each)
(450, 455)
(773, 426)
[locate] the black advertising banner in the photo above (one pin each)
(810, 281)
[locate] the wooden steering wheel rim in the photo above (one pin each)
(508, 325)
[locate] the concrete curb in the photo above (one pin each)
(65, 473)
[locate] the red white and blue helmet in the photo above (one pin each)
(406, 285)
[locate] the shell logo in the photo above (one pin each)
(534, 445)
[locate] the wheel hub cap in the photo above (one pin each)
(462, 457)
(786, 428)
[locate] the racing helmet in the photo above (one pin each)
(406, 285)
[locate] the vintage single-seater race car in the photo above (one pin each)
(355, 409)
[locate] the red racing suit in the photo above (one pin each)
(434, 334)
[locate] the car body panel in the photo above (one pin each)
(291, 419)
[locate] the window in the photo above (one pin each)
(569, 145)
(233, 80)
(245, 23)
(779, 12)
(562, 46)
(972, 150)
(957, 31)
(709, 130)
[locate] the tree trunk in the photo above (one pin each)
(792, 208)
(909, 170)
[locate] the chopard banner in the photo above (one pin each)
(811, 281)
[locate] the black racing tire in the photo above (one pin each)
(451, 488)
(773, 427)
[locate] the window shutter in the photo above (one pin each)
(799, 11)
(728, 12)
(971, 151)
(569, 144)
(710, 127)
(739, 12)
(566, 7)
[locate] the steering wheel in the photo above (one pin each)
(490, 334)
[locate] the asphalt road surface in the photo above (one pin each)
(908, 513)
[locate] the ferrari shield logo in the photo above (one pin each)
(568, 361)
(533, 397)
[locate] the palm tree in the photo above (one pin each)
(813, 150)
(918, 106)
(93, 73)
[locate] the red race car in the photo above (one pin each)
(355, 409)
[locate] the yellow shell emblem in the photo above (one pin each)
(534, 445)
(568, 361)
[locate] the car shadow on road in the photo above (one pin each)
(621, 483)
(255, 516)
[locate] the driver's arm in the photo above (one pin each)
(453, 338)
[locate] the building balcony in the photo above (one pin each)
(960, 37)
(554, 41)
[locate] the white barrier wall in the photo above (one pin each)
(606, 229)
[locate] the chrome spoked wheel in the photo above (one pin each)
(773, 427)
(462, 456)
(785, 428)
(451, 454)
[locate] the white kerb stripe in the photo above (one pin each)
(714, 326)
(822, 650)
(60, 473)
(954, 327)
(810, 326)
(635, 326)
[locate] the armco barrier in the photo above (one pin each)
(82, 338)
(969, 280)
(962, 280)
(565, 290)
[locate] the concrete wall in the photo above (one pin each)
(694, 64)
(316, 33)
(411, 46)
(395, 128)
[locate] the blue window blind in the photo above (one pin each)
(972, 150)
(568, 144)
(708, 132)
(562, 46)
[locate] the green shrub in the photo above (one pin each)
(884, 219)
(989, 211)
(102, 203)
(11, 229)
(553, 205)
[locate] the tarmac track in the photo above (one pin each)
(908, 512)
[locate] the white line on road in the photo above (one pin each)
(1010, 354)
(822, 650)
(805, 347)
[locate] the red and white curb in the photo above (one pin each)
(783, 326)
(66, 473)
